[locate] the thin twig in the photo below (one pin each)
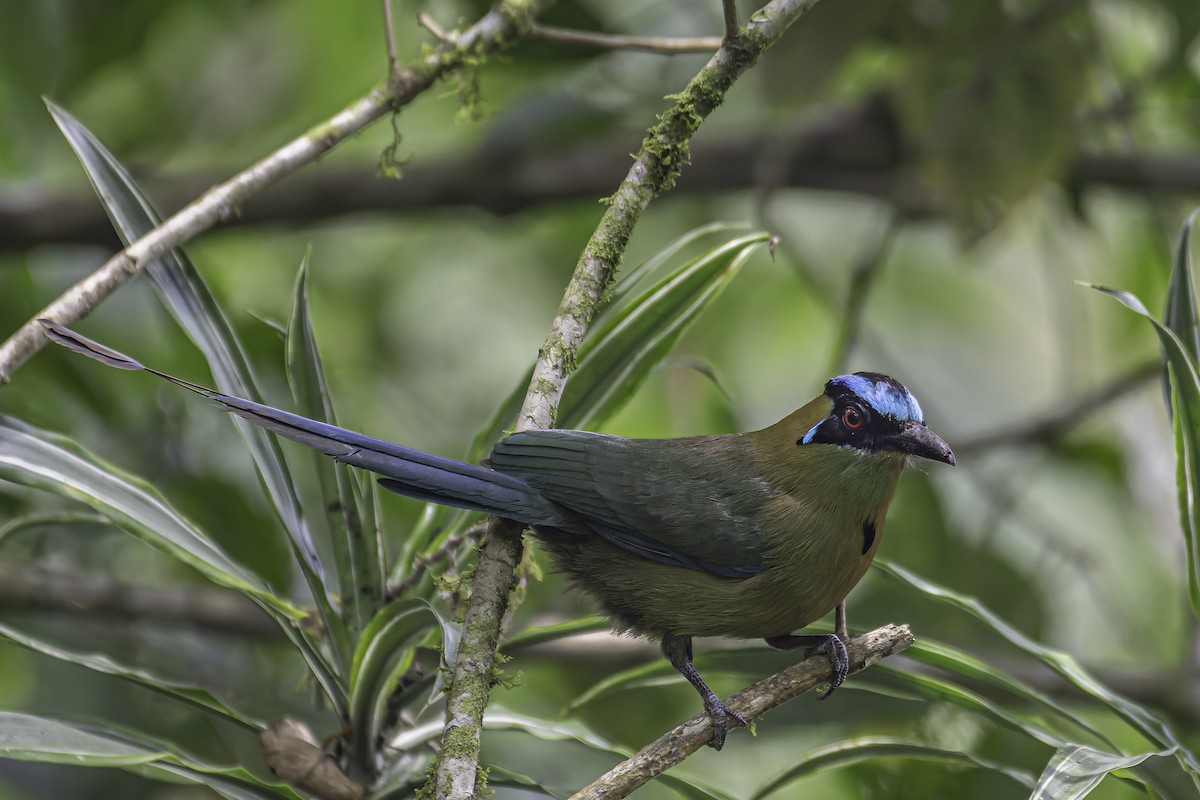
(730, 12)
(650, 44)
(389, 35)
(661, 159)
(1063, 419)
(497, 29)
(422, 562)
(674, 746)
(430, 24)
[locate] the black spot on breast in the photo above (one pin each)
(868, 535)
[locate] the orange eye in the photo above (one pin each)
(852, 418)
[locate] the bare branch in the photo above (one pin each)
(389, 35)
(730, 12)
(430, 24)
(660, 161)
(665, 45)
(494, 31)
(674, 746)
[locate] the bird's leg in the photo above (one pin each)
(678, 650)
(839, 622)
(831, 644)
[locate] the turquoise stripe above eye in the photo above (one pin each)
(885, 397)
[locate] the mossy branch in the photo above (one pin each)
(675, 745)
(663, 155)
(505, 23)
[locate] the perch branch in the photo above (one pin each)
(662, 157)
(674, 746)
(507, 21)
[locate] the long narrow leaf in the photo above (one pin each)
(193, 306)
(1077, 769)
(25, 737)
(851, 751)
(46, 461)
(99, 662)
(385, 652)
(1186, 403)
(956, 661)
(1149, 725)
(356, 550)
(622, 350)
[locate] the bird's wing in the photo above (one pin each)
(688, 502)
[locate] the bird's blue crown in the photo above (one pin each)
(884, 394)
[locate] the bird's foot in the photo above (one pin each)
(720, 715)
(839, 661)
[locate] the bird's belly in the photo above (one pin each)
(653, 598)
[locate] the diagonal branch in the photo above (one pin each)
(496, 30)
(675, 745)
(662, 157)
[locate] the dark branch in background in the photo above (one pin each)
(1063, 419)
(854, 149)
(664, 45)
(97, 596)
(674, 746)
(866, 268)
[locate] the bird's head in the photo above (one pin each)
(875, 413)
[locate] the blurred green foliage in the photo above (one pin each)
(427, 320)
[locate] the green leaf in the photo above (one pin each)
(1076, 769)
(560, 630)
(1179, 313)
(24, 737)
(960, 663)
(47, 461)
(623, 348)
(356, 549)
(1150, 726)
(196, 310)
(385, 651)
(28, 521)
(192, 694)
(850, 751)
(631, 279)
(1186, 404)
(946, 692)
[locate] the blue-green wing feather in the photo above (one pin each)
(657, 498)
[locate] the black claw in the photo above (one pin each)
(721, 714)
(839, 660)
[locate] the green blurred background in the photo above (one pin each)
(950, 169)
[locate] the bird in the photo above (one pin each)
(743, 535)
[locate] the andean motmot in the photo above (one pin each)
(742, 535)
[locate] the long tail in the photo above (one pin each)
(406, 471)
